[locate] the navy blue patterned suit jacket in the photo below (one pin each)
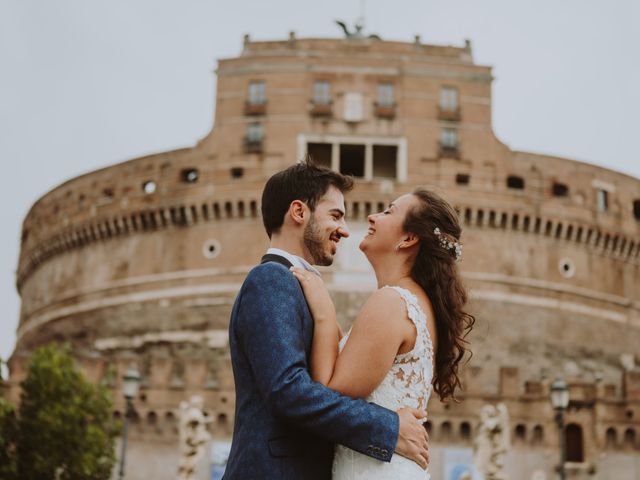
(286, 424)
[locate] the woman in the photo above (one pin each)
(409, 336)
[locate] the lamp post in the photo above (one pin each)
(560, 402)
(130, 385)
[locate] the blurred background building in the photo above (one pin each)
(139, 263)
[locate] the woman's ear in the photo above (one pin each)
(409, 240)
(298, 211)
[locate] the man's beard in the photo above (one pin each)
(315, 243)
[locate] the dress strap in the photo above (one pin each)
(418, 316)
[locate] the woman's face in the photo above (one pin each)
(385, 228)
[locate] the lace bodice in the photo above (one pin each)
(406, 384)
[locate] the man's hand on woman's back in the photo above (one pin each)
(413, 440)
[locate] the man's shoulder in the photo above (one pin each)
(269, 269)
(271, 273)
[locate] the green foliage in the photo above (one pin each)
(8, 437)
(65, 427)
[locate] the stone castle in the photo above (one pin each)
(139, 263)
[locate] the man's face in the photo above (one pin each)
(326, 227)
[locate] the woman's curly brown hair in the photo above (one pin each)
(436, 271)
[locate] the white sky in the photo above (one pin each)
(84, 84)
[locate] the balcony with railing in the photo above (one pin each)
(384, 110)
(321, 109)
(255, 108)
(449, 114)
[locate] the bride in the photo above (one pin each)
(409, 336)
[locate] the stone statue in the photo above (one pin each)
(357, 33)
(628, 362)
(492, 442)
(193, 436)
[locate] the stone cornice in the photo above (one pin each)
(615, 244)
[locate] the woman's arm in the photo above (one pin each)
(376, 336)
(381, 328)
(326, 333)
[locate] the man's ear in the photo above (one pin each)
(298, 212)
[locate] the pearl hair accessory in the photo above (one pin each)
(449, 243)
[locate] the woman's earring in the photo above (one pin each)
(398, 247)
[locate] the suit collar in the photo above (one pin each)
(272, 257)
(294, 260)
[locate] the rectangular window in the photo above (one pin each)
(449, 99)
(352, 160)
(463, 178)
(320, 153)
(560, 189)
(449, 138)
(254, 133)
(322, 92)
(384, 161)
(257, 92)
(386, 95)
(603, 200)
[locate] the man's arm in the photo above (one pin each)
(269, 328)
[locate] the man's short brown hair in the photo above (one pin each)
(304, 181)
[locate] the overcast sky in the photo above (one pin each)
(84, 84)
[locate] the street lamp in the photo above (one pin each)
(130, 385)
(560, 402)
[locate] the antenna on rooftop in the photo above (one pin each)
(360, 22)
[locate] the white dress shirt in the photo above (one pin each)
(294, 259)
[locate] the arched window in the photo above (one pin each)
(629, 438)
(611, 438)
(574, 444)
(548, 227)
(537, 438)
(467, 216)
(445, 432)
(520, 433)
(503, 220)
(492, 218)
(222, 420)
(171, 422)
(152, 418)
(355, 210)
(465, 431)
(429, 427)
(134, 417)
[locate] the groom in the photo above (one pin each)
(286, 425)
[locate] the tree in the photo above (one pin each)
(8, 436)
(65, 428)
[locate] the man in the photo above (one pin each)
(286, 425)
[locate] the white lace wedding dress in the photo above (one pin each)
(407, 384)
